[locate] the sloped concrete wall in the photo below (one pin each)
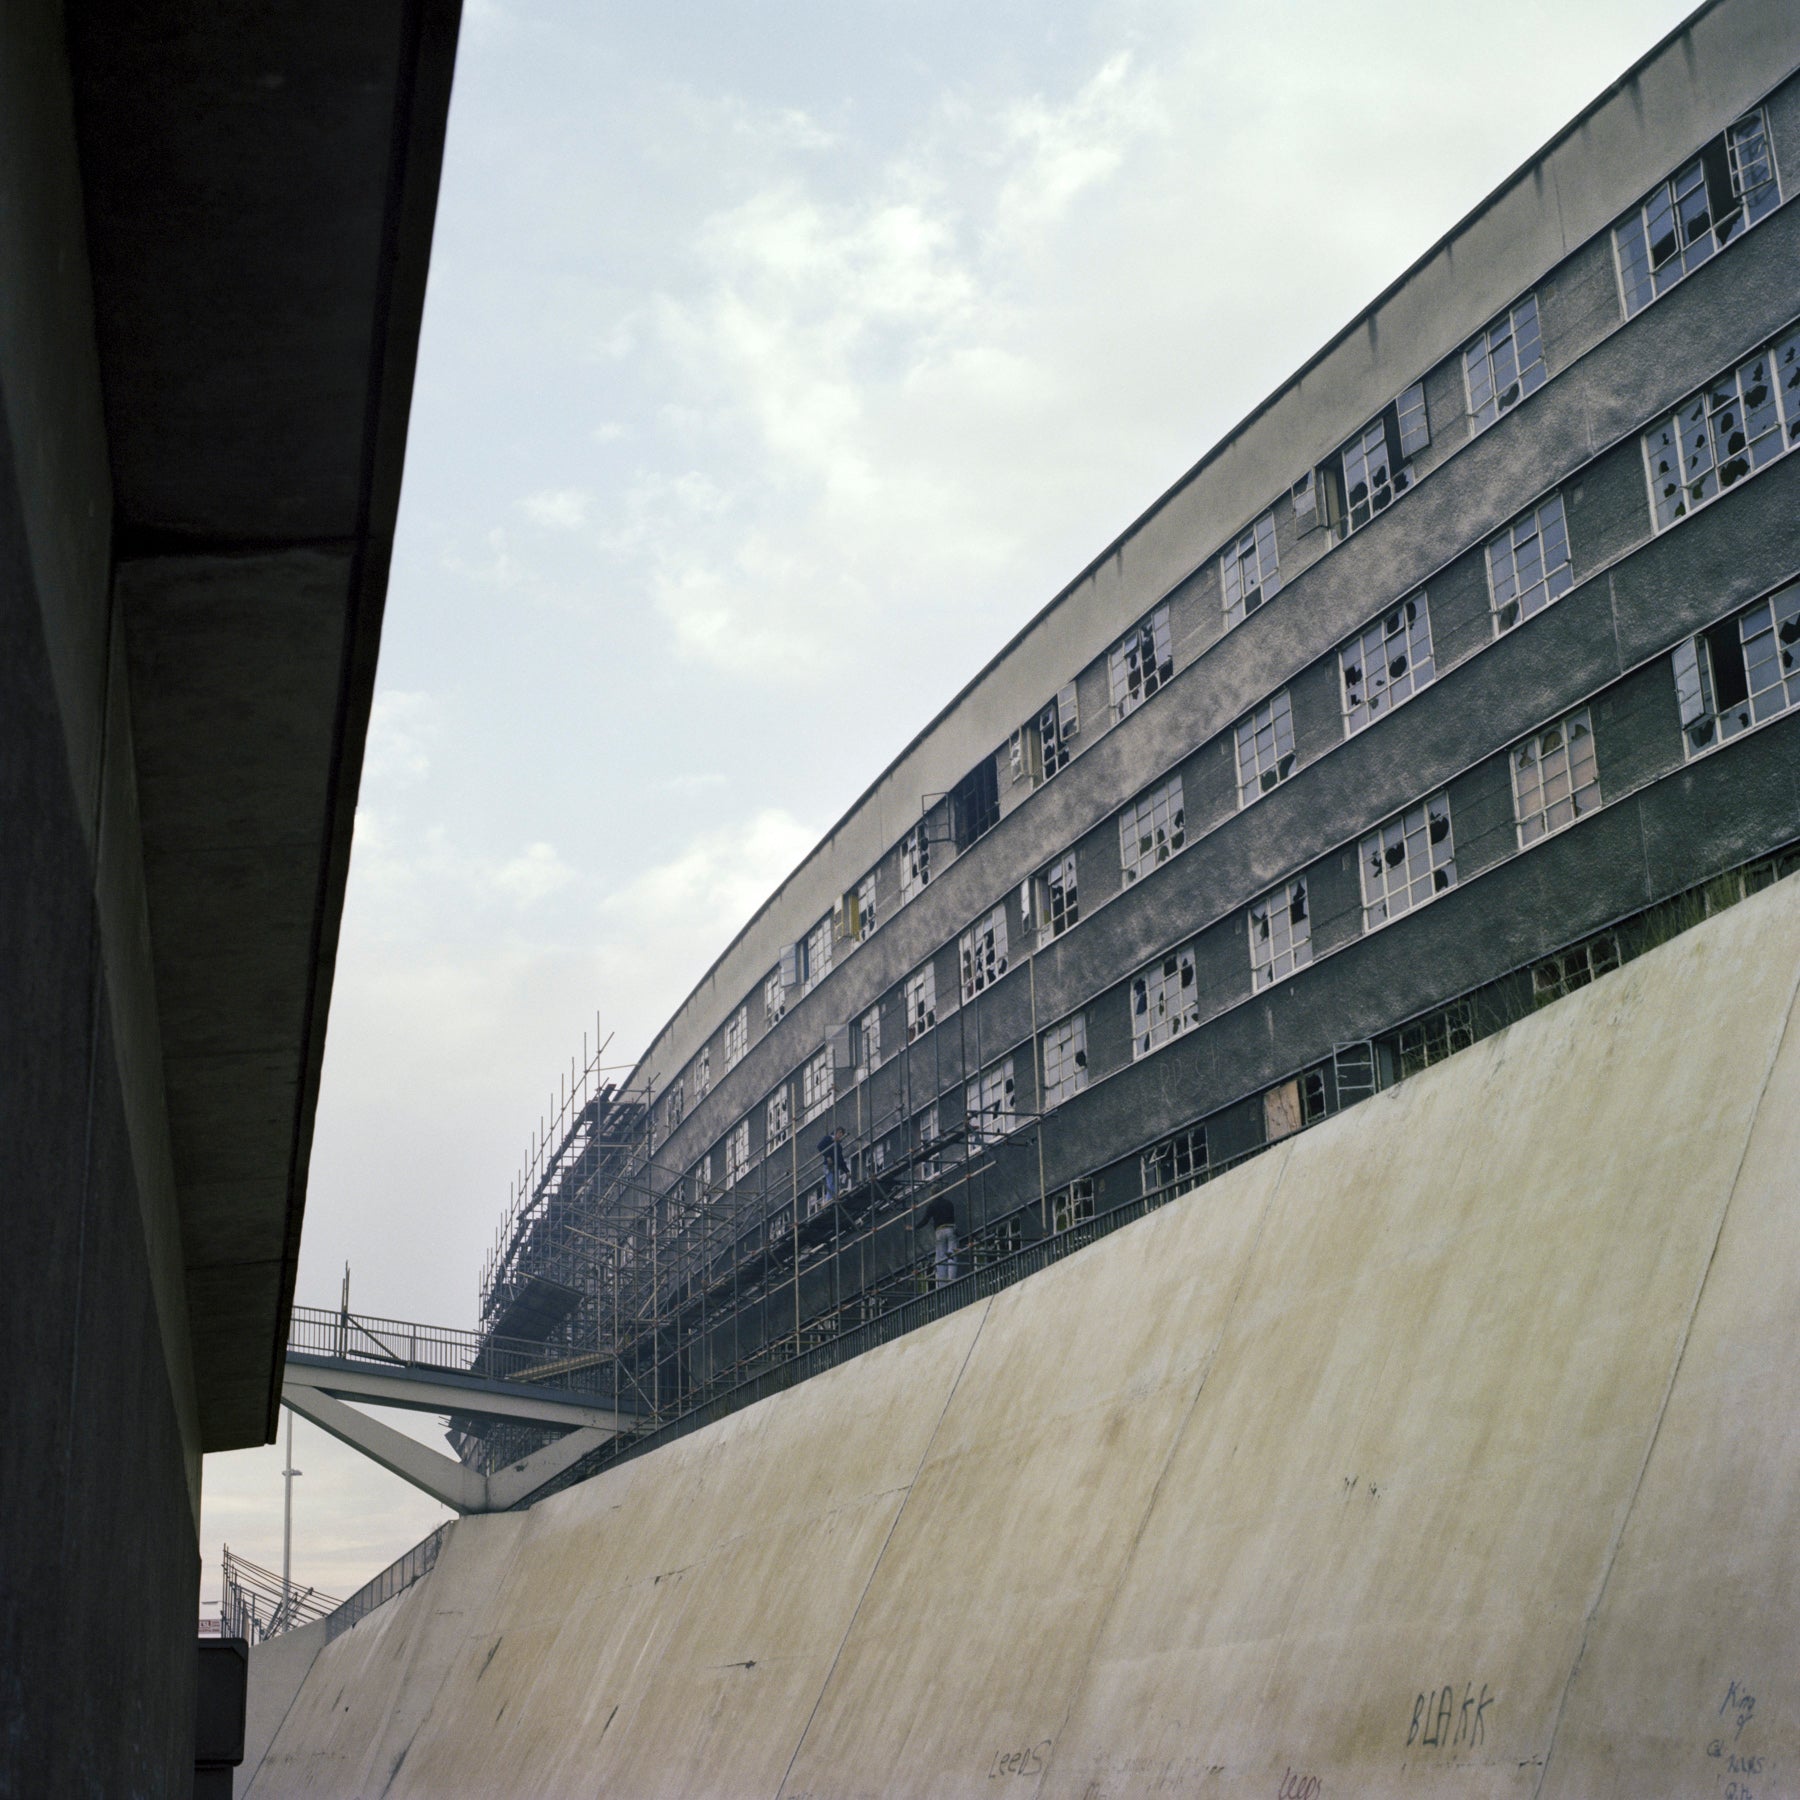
(1448, 1448)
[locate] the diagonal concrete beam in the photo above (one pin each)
(519, 1481)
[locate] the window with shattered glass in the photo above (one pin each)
(1176, 1164)
(1739, 673)
(1280, 935)
(925, 1135)
(1065, 1060)
(703, 1073)
(1575, 968)
(1407, 861)
(1374, 468)
(1151, 829)
(1250, 572)
(1055, 902)
(1556, 777)
(1505, 363)
(818, 1086)
(1528, 565)
(737, 1037)
(1387, 664)
(1747, 418)
(915, 863)
(1430, 1039)
(865, 907)
(994, 1113)
(774, 999)
(737, 1153)
(780, 1119)
(815, 956)
(1165, 1001)
(1140, 663)
(1265, 748)
(868, 1043)
(921, 1002)
(1702, 207)
(673, 1105)
(1072, 1205)
(982, 953)
(1057, 727)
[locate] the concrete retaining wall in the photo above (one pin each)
(1445, 1448)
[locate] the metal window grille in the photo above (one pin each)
(1505, 363)
(1265, 748)
(1140, 663)
(1387, 664)
(1528, 565)
(1250, 571)
(1408, 861)
(1165, 1001)
(1280, 935)
(1556, 779)
(1065, 1060)
(1151, 829)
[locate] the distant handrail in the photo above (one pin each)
(396, 1578)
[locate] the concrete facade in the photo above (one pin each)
(1444, 1448)
(206, 341)
(1665, 821)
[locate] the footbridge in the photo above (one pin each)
(335, 1358)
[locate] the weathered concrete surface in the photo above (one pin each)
(1445, 1448)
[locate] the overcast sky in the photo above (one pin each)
(780, 361)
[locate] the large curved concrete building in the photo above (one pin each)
(1446, 681)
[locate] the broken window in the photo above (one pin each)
(1373, 468)
(994, 1113)
(915, 863)
(703, 1174)
(1387, 664)
(737, 1037)
(672, 1105)
(737, 1152)
(868, 1043)
(1407, 862)
(1571, 969)
(921, 1002)
(1140, 663)
(975, 803)
(1165, 1001)
(1740, 672)
(982, 953)
(1505, 363)
(1176, 1164)
(1065, 1060)
(1698, 210)
(1151, 829)
(925, 1137)
(1528, 565)
(1343, 1078)
(774, 999)
(818, 1086)
(1072, 1205)
(1305, 497)
(780, 1118)
(1057, 724)
(1556, 779)
(1265, 748)
(1280, 935)
(865, 906)
(1746, 418)
(1249, 571)
(1428, 1040)
(998, 1241)
(815, 956)
(1049, 900)
(702, 1073)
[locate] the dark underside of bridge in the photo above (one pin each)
(215, 222)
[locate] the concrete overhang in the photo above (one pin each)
(260, 186)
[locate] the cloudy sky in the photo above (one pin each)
(779, 361)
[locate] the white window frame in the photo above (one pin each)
(995, 1112)
(1564, 777)
(818, 1086)
(926, 1134)
(1265, 748)
(815, 956)
(981, 953)
(702, 1073)
(1250, 571)
(1505, 364)
(865, 907)
(1152, 829)
(673, 1105)
(1141, 662)
(1767, 641)
(1523, 579)
(915, 864)
(1407, 862)
(1071, 1205)
(737, 1037)
(1165, 1002)
(737, 1153)
(1187, 1147)
(1065, 1060)
(1401, 636)
(778, 1123)
(921, 1001)
(868, 1043)
(774, 1001)
(1053, 900)
(1280, 943)
(1690, 435)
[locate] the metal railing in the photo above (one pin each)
(256, 1606)
(399, 1344)
(396, 1578)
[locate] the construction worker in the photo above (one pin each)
(837, 1162)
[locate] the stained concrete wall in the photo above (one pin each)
(1443, 1448)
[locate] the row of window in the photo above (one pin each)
(1732, 427)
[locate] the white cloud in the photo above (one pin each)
(535, 874)
(402, 728)
(563, 509)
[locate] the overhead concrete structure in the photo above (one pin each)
(215, 224)
(1448, 1447)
